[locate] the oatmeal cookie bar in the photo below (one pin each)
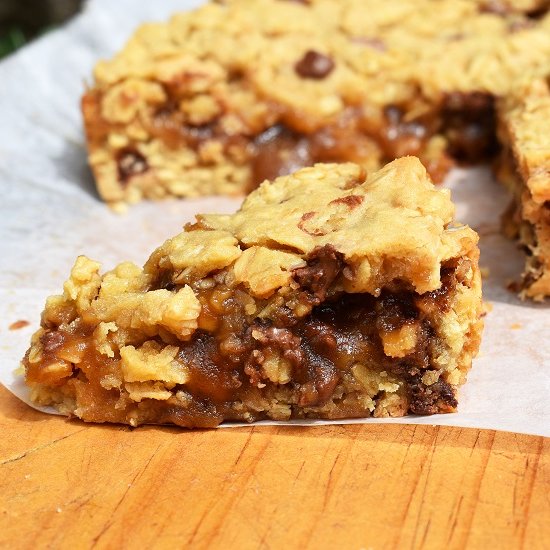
(329, 294)
(221, 98)
(524, 166)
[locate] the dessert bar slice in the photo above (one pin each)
(329, 294)
(221, 98)
(524, 166)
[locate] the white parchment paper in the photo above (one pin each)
(50, 213)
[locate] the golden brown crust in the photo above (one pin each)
(390, 224)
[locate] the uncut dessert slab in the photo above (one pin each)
(217, 99)
(508, 385)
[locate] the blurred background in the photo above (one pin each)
(23, 20)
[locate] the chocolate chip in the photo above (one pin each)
(130, 163)
(323, 267)
(281, 339)
(278, 151)
(427, 400)
(395, 310)
(469, 122)
(314, 65)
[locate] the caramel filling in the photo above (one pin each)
(236, 355)
(466, 121)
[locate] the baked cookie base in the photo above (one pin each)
(358, 356)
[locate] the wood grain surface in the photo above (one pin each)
(64, 484)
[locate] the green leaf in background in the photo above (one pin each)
(11, 38)
(23, 20)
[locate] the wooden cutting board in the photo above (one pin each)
(70, 485)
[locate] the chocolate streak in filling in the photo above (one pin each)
(225, 356)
